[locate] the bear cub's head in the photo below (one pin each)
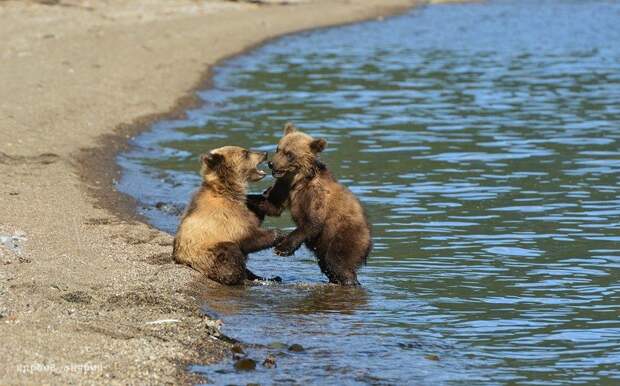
(233, 165)
(296, 153)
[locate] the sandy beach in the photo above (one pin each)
(88, 292)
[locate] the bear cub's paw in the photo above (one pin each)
(285, 247)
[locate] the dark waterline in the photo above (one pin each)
(483, 141)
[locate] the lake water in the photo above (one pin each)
(484, 142)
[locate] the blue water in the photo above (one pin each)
(483, 140)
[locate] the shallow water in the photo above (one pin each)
(483, 139)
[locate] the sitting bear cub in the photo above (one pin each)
(329, 218)
(218, 230)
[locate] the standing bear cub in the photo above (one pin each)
(218, 231)
(329, 218)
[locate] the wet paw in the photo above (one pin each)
(279, 237)
(284, 250)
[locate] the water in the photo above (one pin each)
(483, 140)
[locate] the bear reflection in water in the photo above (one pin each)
(299, 299)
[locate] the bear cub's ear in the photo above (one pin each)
(289, 128)
(212, 159)
(318, 145)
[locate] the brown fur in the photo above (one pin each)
(218, 231)
(329, 218)
(271, 202)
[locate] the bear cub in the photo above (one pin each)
(329, 218)
(218, 230)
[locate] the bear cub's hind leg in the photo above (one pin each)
(228, 265)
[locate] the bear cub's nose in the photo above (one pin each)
(270, 164)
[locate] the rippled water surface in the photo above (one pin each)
(484, 141)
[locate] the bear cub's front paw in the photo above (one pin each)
(284, 248)
(278, 237)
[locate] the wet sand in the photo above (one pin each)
(82, 277)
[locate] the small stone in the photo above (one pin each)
(215, 324)
(168, 208)
(277, 345)
(237, 349)
(296, 348)
(432, 357)
(245, 364)
(270, 362)
(237, 352)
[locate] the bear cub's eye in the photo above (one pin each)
(289, 156)
(246, 154)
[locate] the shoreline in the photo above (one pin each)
(103, 167)
(84, 276)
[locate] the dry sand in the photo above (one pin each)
(81, 276)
